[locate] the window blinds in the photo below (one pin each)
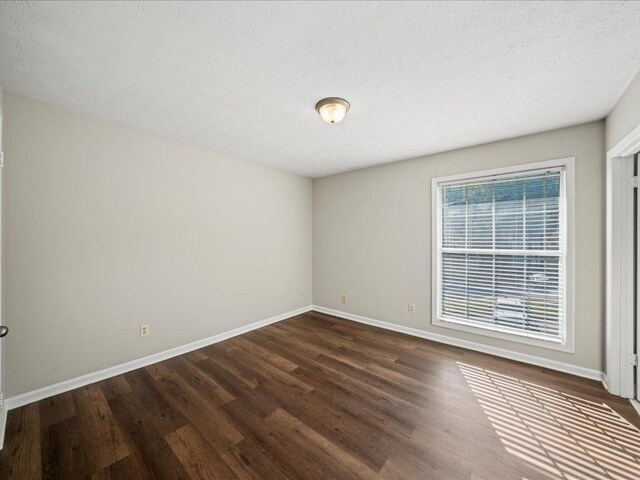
(501, 253)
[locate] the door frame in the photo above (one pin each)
(619, 372)
(3, 403)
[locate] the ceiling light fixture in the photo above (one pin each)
(332, 109)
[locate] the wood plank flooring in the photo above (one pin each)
(316, 397)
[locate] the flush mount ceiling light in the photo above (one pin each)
(332, 109)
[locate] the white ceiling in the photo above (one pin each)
(243, 78)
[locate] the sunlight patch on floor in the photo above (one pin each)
(560, 435)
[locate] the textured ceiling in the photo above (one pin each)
(243, 78)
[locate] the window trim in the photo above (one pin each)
(567, 209)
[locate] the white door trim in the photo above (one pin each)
(3, 406)
(620, 270)
(629, 145)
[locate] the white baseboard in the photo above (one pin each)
(478, 347)
(65, 386)
(636, 405)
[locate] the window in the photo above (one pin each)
(502, 265)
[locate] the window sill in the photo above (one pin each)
(567, 346)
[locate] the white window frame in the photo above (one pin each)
(567, 210)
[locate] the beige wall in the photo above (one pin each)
(106, 228)
(625, 116)
(372, 235)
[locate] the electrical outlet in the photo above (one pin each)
(343, 299)
(302, 291)
(412, 308)
(144, 330)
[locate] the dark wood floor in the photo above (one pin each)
(316, 397)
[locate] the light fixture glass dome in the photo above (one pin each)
(332, 109)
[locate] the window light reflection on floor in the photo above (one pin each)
(560, 435)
